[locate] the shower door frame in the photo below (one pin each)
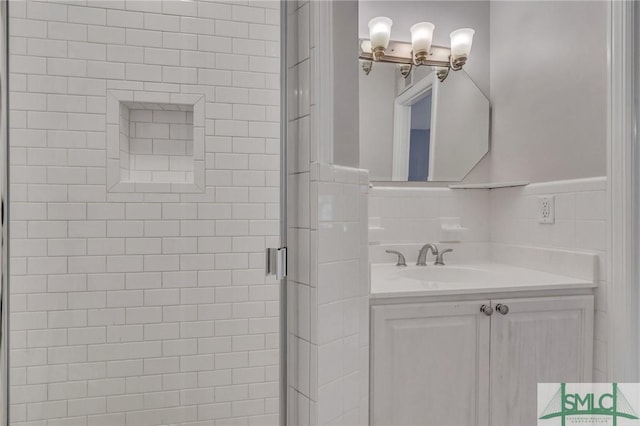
(4, 213)
(283, 329)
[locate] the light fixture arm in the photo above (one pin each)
(405, 70)
(457, 64)
(367, 66)
(442, 73)
(419, 58)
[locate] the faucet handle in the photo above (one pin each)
(401, 260)
(439, 260)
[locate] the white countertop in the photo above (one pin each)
(390, 281)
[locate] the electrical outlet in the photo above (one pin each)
(546, 209)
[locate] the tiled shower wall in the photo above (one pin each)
(143, 307)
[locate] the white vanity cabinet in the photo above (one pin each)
(447, 363)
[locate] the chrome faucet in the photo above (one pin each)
(422, 254)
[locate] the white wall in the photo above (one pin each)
(548, 90)
(346, 148)
(144, 307)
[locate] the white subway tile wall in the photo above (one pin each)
(146, 306)
(328, 285)
(328, 300)
(342, 296)
(412, 215)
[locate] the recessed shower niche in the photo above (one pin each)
(155, 142)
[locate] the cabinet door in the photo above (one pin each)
(430, 364)
(539, 340)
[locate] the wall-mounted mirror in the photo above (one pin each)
(439, 130)
(417, 128)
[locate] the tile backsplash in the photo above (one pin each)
(580, 215)
(413, 215)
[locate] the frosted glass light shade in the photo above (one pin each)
(461, 41)
(421, 36)
(380, 32)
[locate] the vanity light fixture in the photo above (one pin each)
(420, 52)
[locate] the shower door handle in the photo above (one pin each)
(276, 262)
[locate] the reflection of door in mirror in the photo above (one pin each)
(440, 129)
(413, 110)
(419, 139)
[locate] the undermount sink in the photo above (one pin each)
(451, 274)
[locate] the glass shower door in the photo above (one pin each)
(145, 178)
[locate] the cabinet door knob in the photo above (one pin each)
(487, 310)
(502, 308)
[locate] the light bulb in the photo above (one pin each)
(461, 41)
(379, 34)
(421, 37)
